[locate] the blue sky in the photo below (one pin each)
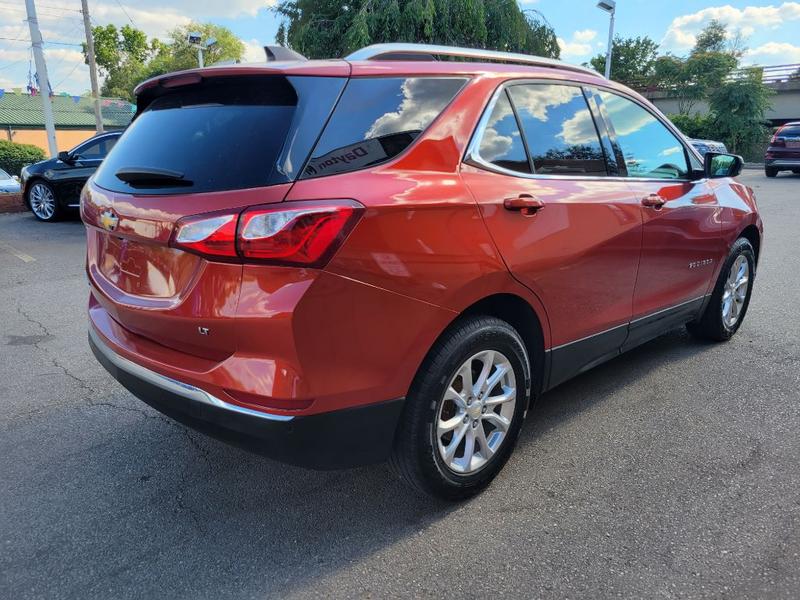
(772, 29)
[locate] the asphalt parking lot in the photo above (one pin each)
(673, 471)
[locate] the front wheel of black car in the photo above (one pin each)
(42, 202)
(464, 410)
(728, 304)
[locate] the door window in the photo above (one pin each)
(559, 130)
(649, 149)
(501, 144)
(94, 150)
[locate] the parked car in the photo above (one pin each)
(53, 186)
(783, 153)
(397, 257)
(706, 146)
(8, 184)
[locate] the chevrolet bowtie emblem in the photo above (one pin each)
(108, 220)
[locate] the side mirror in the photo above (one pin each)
(722, 165)
(65, 157)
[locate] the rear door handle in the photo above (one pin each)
(653, 201)
(525, 203)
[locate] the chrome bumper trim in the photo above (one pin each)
(174, 386)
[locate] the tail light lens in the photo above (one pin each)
(298, 233)
(305, 235)
(213, 236)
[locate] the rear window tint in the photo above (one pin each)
(224, 134)
(789, 132)
(559, 129)
(376, 119)
(501, 143)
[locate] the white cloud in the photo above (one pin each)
(772, 53)
(584, 35)
(60, 21)
(579, 45)
(682, 32)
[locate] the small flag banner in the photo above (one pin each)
(2, 92)
(76, 99)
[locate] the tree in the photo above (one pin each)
(334, 28)
(708, 66)
(125, 57)
(632, 60)
(739, 107)
(179, 54)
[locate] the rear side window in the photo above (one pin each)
(648, 147)
(559, 130)
(501, 143)
(222, 134)
(376, 119)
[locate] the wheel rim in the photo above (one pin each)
(735, 291)
(43, 204)
(475, 412)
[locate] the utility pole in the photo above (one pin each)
(609, 6)
(87, 26)
(44, 82)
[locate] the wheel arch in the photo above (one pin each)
(752, 235)
(517, 312)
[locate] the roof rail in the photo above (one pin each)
(430, 51)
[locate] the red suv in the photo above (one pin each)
(783, 153)
(391, 257)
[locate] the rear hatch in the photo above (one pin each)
(202, 142)
(786, 143)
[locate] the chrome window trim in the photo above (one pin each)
(472, 155)
(179, 388)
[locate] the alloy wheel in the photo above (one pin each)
(43, 203)
(735, 291)
(475, 412)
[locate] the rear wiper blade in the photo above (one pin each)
(151, 175)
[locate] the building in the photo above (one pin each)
(22, 118)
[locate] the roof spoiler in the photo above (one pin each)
(275, 53)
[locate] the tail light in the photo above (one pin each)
(298, 233)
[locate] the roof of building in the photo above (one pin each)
(69, 112)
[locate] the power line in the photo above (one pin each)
(27, 41)
(126, 14)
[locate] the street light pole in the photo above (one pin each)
(609, 6)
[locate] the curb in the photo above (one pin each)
(11, 203)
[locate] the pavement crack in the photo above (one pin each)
(47, 335)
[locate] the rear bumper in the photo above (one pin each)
(783, 163)
(330, 440)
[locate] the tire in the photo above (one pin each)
(796, 171)
(770, 172)
(42, 200)
(419, 451)
(713, 324)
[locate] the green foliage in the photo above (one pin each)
(632, 59)
(125, 57)
(739, 107)
(14, 156)
(709, 64)
(695, 125)
(334, 28)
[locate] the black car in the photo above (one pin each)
(53, 186)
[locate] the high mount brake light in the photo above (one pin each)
(303, 234)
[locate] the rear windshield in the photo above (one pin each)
(793, 131)
(223, 134)
(376, 119)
